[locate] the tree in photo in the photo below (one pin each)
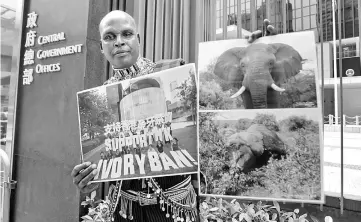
(94, 113)
(188, 93)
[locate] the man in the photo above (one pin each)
(120, 43)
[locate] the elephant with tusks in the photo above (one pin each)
(258, 70)
(251, 148)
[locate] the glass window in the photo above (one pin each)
(10, 40)
(218, 4)
(258, 3)
(305, 3)
(313, 21)
(306, 22)
(313, 9)
(8, 13)
(231, 10)
(298, 25)
(298, 13)
(348, 13)
(306, 11)
(297, 4)
(313, 2)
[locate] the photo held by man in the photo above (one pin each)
(135, 200)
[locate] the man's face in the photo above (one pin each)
(120, 41)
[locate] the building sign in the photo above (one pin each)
(350, 72)
(29, 56)
(350, 67)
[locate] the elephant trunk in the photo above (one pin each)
(259, 95)
(258, 86)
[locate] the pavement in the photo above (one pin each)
(351, 161)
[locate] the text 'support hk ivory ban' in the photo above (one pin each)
(141, 127)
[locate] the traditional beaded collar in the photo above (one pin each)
(143, 66)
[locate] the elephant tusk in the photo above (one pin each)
(278, 89)
(240, 91)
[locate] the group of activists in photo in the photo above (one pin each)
(120, 44)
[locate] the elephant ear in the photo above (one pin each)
(288, 62)
(228, 65)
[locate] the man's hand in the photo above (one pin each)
(267, 30)
(82, 174)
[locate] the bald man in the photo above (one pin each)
(120, 43)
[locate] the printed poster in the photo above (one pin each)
(141, 127)
(260, 119)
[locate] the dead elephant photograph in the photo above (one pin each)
(265, 154)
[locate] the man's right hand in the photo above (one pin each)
(82, 174)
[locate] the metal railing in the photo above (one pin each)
(347, 120)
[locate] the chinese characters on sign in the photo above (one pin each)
(28, 76)
(30, 38)
(31, 22)
(29, 55)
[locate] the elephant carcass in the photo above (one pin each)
(271, 141)
(247, 147)
(240, 153)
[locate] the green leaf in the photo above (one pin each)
(303, 216)
(84, 203)
(213, 209)
(275, 203)
(93, 194)
(87, 217)
(296, 211)
(314, 219)
(241, 216)
(274, 216)
(98, 201)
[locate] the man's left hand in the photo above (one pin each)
(267, 30)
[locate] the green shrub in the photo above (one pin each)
(268, 120)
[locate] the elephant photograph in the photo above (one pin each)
(269, 154)
(273, 72)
